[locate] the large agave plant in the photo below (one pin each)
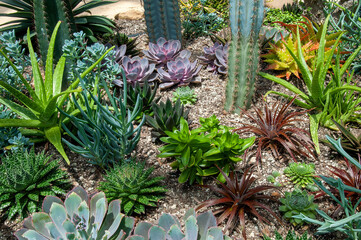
(80, 216)
(181, 72)
(164, 51)
(137, 70)
(203, 226)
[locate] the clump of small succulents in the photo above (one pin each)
(163, 51)
(301, 174)
(185, 94)
(180, 72)
(136, 70)
(216, 57)
(80, 216)
(203, 226)
(296, 203)
(132, 184)
(272, 178)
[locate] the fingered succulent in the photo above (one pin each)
(185, 94)
(167, 117)
(296, 203)
(136, 70)
(238, 197)
(301, 174)
(164, 51)
(25, 179)
(80, 216)
(132, 184)
(181, 72)
(203, 226)
(215, 57)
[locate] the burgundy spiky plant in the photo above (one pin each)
(239, 197)
(275, 129)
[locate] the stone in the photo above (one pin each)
(277, 3)
(132, 13)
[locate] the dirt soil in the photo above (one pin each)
(181, 197)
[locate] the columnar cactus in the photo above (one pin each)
(163, 19)
(246, 18)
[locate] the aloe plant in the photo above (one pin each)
(246, 17)
(163, 19)
(40, 110)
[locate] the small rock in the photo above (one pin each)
(134, 13)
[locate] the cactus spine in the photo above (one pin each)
(163, 19)
(47, 13)
(246, 18)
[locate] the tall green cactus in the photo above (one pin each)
(47, 13)
(246, 18)
(163, 19)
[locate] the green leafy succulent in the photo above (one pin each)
(301, 174)
(132, 184)
(296, 203)
(291, 235)
(80, 216)
(166, 117)
(25, 179)
(186, 95)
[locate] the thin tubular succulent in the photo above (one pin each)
(186, 95)
(167, 117)
(301, 174)
(181, 72)
(238, 197)
(163, 51)
(275, 129)
(203, 226)
(25, 179)
(80, 216)
(296, 203)
(136, 70)
(215, 58)
(132, 184)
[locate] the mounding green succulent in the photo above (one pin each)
(296, 203)
(25, 179)
(301, 174)
(291, 235)
(119, 39)
(147, 96)
(132, 184)
(203, 226)
(80, 216)
(186, 95)
(166, 117)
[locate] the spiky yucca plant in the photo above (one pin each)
(275, 129)
(25, 179)
(301, 174)
(132, 184)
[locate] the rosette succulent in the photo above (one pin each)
(296, 203)
(80, 216)
(221, 60)
(181, 72)
(164, 51)
(136, 70)
(300, 174)
(210, 58)
(186, 95)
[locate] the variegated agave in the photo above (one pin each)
(181, 72)
(80, 216)
(164, 51)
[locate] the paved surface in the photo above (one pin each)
(109, 10)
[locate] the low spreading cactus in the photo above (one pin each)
(80, 216)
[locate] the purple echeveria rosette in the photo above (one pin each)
(181, 72)
(137, 70)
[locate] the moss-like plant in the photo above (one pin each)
(132, 184)
(25, 179)
(300, 174)
(296, 203)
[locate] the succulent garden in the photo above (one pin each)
(206, 119)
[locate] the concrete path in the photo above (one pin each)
(109, 10)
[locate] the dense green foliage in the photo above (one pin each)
(291, 235)
(301, 174)
(132, 184)
(25, 179)
(186, 95)
(274, 15)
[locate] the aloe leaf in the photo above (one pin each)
(296, 101)
(23, 123)
(53, 134)
(349, 60)
(18, 109)
(314, 123)
(58, 77)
